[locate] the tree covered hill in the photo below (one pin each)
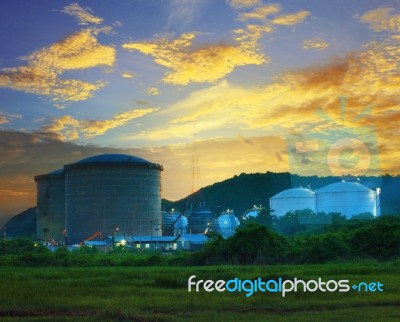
(244, 191)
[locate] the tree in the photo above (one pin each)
(255, 243)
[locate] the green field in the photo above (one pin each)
(160, 294)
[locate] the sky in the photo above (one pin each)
(219, 86)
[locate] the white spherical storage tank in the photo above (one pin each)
(292, 200)
(347, 198)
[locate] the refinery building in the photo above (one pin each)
(116, 198)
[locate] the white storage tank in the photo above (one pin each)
(292, 200)
(347, 198)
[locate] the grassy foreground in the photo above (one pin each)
(160, 294)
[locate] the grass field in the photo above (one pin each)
(160, 294)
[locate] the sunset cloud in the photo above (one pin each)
(71, 129)
(153, 91)
(260, 13)
(370, 77)
(23, 153)
(7, 117)
(42, 74)
(291, 19)
(83, 16)
(188, 64)
(381, 19)
(189, 61)
(127, 75)
(315, 43)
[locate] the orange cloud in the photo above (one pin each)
(70, 129)
(315, 43)
(83, 16)
(42, 74)
(370, 77)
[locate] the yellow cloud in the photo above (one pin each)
(244, 3)
(189, 62)
(3, 119)
(83, 16)
(153, 91)
(127, 75)
(250, 36)
(42, 74)
(380, 19)
(78, 51)
(206, 64)
(315, 43)
(71, 129)
(368, 77)
(292, 19)
(66, 126)
(260, 13)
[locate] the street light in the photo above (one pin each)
(113, 237)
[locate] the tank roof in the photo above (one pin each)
(344, 186)
(53, 174)
(58, 171)
(295, 193)
(105, 159)
(113, 158)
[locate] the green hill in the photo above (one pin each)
(246, 190)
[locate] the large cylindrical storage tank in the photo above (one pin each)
(168, 220)
(347, 198)
(112, 193)
(199, 221)
(292, 200)
(50, 211)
